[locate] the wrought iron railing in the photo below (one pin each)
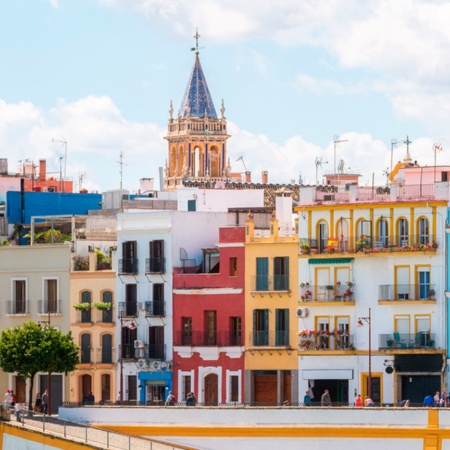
(402, 292)
(419, 340)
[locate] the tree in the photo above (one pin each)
(30, 348)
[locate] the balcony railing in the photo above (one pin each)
(402, 341)
(49, 307)
(203, 339)
(17, 307)
(128, 266)
(372, 244)
(402, 292)
(105, 355)
(155, 265)
(105, 316)
(266, 338)
(266, 283)
(128, 351)
(84, 316)
(326, 342)
(155, 309)
(327, 293)
(156, 351)
(128, 309)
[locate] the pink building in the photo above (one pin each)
(208, 323)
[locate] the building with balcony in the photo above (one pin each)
(208, 322)
(271, 298)
(34, 283)
(149, 245)
(377, 249)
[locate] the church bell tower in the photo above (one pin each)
(197, 138)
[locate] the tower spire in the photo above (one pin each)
(196, 48)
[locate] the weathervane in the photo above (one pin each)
(196, 48)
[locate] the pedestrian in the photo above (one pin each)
(407, 404)
(437, 399)
(189, 400)
(325, 399)
(170, 401)
(428, 401)
(358, 401)
(38, 403)
(307, 399)
(45, 402)
(194, 400)
(7, 398)
(90, 399)
(368, 401)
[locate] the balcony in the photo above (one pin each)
(325, 340)
(266, 283)
(204, 339)
(128, 309)
(84, 316)
(128, 266)
(264, 338)
(370, 244)
(105, 355)
(155, 265)
(404, 341)
(406, 292)
(128, 351)
(49, 307)
(17, 307)
(156, 351)
(327, 293)
(155, 309)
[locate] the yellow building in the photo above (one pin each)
(271, 297)
(93, 329)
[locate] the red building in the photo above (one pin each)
(208, 323)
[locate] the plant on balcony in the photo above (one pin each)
(329, 287)
(304, 284)
(362, 243)
(350, 284)
(81, 263)
(102, 306)
(434, 244)
(431, 294)
(304, 248)
(85, 306)
(307, 295)
(305, 344)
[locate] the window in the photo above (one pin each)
(233, 267)
(19, 303)
(50, 296)
(234, 388)
(322, 332)
(402, 231)
(129, 261)
(185, 386)
(424, 237)
(235, 331)
(282, 327)
(85, 348)
(128, 338)
(131, 300)
(342, 336)
(86, 297)
(158, 299)
(132, 387)
(107, 314)
(157, 260)
(156, 346)
(187, 330)
(281, 273)
(261, 327)
(322, 233)
(210, 328)
(423, 282)
(383, 237)
(107, 349)
(262, 274)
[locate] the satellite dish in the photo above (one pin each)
(389, 369)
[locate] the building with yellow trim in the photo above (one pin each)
(271, 292)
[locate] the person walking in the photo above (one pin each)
(45, 402)
(170, 399)
(189, 400)
(428, 401)
(307, 399)
(38, 403)
(325, 399)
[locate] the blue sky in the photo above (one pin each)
(101, 73)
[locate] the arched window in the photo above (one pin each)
(85, 348)
(424, 236)
(107, 314)
(86, 297)
(107, 349)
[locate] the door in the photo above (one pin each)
(20, 390)
(211, 389)
(416, 387)
(265, 387)
(106, 387)
(56, 392)
(402, 286)
(323, 236)
(376, 387)
(262, 274)
(86, 386)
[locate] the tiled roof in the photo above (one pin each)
(197, 100)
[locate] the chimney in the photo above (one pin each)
(42, 170)
(265, 177)
(248, 176)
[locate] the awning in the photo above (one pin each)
(327, 374)
(330, 260)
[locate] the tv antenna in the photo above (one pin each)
(319, 163)
(121, 179)
(241, 158)
(337, 141)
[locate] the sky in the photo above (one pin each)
(295, 76)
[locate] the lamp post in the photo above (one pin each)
(358, 324)
(49, 376)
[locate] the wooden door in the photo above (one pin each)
(211, 389)
(20, 390)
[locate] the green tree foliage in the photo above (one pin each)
(30, 348)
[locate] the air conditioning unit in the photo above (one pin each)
(302, 312)
(156, 365)
(142, 363)
(139, 353)
(139, 344)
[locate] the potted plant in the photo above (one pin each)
(305, 249)
(103, 261)
(329, 287)
(102, 306)
(85, 306)
(431, 294)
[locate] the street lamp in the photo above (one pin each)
(49, 376)
(358, 324)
